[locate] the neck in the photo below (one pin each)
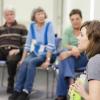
(40, 24)
(9, 24)
(77, 31)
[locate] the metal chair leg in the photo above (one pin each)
(2, 76)
(53, 84)
(47, 85)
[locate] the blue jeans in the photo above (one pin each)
(67, 70)
(27, 70)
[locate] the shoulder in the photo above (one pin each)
(94, 60)
(50, 23)
(20, 26)
(2, 27)
(68, 30)
(93, 67)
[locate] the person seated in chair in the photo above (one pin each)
(71, 57)
(12, 39)
(90, 43)
(40, 43)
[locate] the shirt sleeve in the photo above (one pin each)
(51, 38)
(28, 40)
(93, 68)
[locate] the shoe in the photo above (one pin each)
(10, 90)
(61, 98)
(10, 87)
(14, 96)
(23, 96)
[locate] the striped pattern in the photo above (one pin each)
(13, 36)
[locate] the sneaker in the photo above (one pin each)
(23, 96)
(14, 96)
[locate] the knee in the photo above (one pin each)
(11, 59)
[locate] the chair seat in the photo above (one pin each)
(2, 62)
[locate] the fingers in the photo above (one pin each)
(45, 65)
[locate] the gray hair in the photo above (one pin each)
(9, 8)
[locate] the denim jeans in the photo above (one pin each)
(27, 70)
(67, 70)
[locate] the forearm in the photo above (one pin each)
(68, 53)
(87, 97)
(48, 55)
(70, 47)
(25, 53)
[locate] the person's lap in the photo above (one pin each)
(67, 70)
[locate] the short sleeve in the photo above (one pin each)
(65, 37)
(93, 68)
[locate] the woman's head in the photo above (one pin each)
(38, 15)
(92, 30)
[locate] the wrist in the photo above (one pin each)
(48, 59)
(86, 96)
(70, 52)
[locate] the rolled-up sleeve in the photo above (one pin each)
(28, 41)
(51, 39)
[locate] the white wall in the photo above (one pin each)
(1, 11)
(83, 5)
(97, 9)
(25, 7)
(58, 14)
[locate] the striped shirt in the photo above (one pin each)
(13, 36)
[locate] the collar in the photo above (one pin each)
(13, 23)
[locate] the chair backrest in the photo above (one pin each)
(58, 43)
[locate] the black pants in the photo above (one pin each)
(11, 64)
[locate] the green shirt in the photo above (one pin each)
(68, 38)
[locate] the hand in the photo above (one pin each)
(75, 52)
(63, 55)
(13, 52)
(78, 87)
(45, 64)
(20, 62)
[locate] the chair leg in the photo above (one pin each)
(53, 84)
(2, 76)
(47, 84)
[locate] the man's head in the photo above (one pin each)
(76, 18)
(9, 15)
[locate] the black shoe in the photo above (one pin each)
(61, 98)
(23, 96)
(14, 96)
(10, 90)
(10, 87)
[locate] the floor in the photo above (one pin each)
(39, 89)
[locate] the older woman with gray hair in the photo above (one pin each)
(40, 45)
